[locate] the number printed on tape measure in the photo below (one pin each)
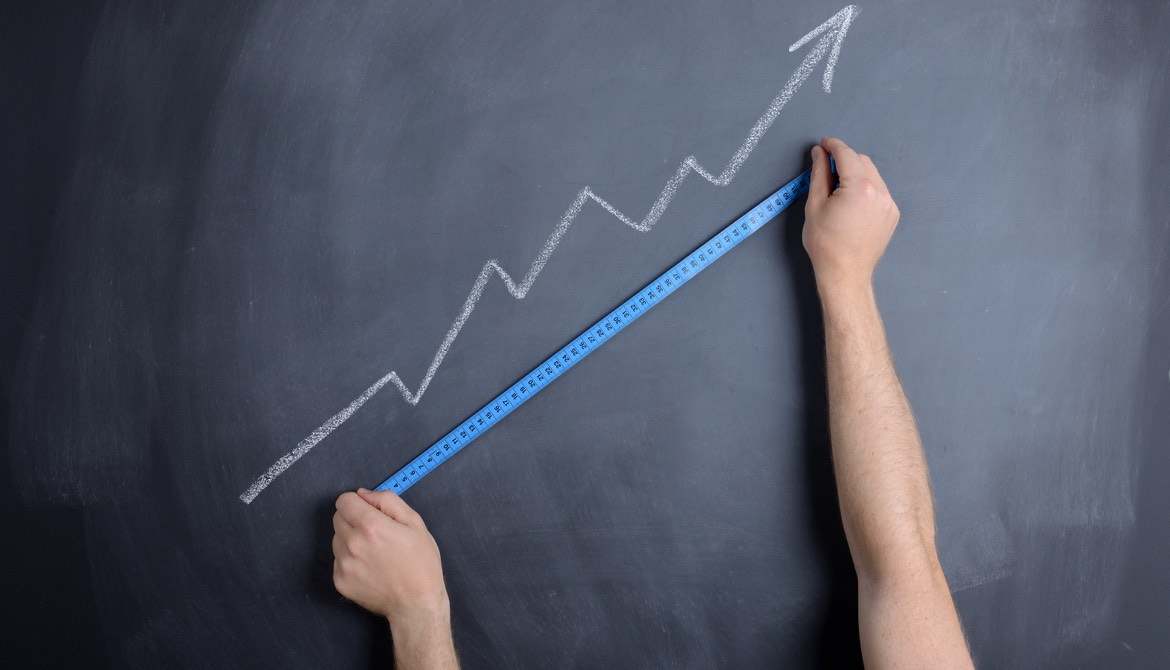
(593, 337)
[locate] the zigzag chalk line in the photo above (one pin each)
(831, 33)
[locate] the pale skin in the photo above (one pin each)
(907, 618)
(387, 561)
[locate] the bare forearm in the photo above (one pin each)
(882, 479)
(905, 612)
(423, 642)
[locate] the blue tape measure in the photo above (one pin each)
(595, 336)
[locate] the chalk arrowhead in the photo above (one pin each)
(831, 33)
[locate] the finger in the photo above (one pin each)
(340, 525)
(337, 579)
(821, 181)
(849, 164)
(393, 506)
(870, 168)
(357, 511)
(339, 549)
(874, 175)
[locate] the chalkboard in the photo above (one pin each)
(224, 222)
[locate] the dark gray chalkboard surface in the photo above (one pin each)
(223, 221)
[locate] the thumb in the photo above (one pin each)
(821, 182)
(392, 506)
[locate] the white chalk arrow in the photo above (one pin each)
(831, 34)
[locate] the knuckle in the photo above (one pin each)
(379, 534)
(368, 530)
(353, 547)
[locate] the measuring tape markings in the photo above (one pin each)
(595, 336)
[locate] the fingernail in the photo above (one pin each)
(815, 152)
(363, 490)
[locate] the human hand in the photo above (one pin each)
(847, 229)
(386, 561)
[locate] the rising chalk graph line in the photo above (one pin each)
(831, 35)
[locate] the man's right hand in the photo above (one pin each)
(906, 615)
(846, 230)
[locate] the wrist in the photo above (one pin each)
(844, 290)
(422, 638)
(421, 617)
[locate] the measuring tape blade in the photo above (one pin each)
(595, 336)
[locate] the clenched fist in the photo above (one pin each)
(385, 560)
(846, 230)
